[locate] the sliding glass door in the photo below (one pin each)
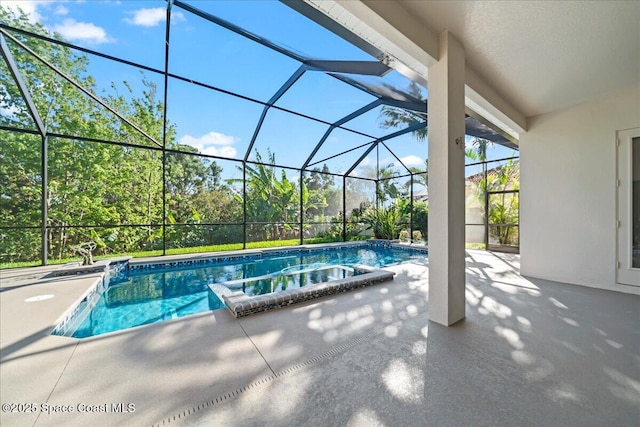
(628, 223)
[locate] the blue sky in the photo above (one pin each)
(219, 124)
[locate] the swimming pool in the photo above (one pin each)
(153, 293)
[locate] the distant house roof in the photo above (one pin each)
(514, 173)
(421, 195)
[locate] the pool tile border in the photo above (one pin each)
(173, 261)
(85, 303)
(241, 305)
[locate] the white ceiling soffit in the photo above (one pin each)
(391, 46)
(543, 56)
(399, 51)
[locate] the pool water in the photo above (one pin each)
(291, 277)
(140, 297)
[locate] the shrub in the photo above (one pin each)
(385, 222)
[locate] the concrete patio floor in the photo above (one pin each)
(530, 352)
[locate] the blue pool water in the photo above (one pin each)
(139, 297)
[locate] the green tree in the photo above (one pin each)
(503, 206)
(90, 183)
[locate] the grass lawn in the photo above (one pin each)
(191, 250)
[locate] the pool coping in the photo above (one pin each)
(99, 266)
(240, 304)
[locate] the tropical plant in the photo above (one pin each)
(477, 150)
(271, 201)
(387, 187)
(506, 209)
(420, 218)
(503, 208)
(420, 175)
(385, 222)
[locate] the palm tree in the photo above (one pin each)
(393, 117)
(505, 209)
(269, 199)
(387, 188)
(478, 149)
(420, 176)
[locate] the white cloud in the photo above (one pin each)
(367, 161)
(61, 10)
(212, 144)
(28, 7)
(412, 160)
(9, 112)
(151, 17)
(177, 17)
(82, 31)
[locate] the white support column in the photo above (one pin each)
(446, 184)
